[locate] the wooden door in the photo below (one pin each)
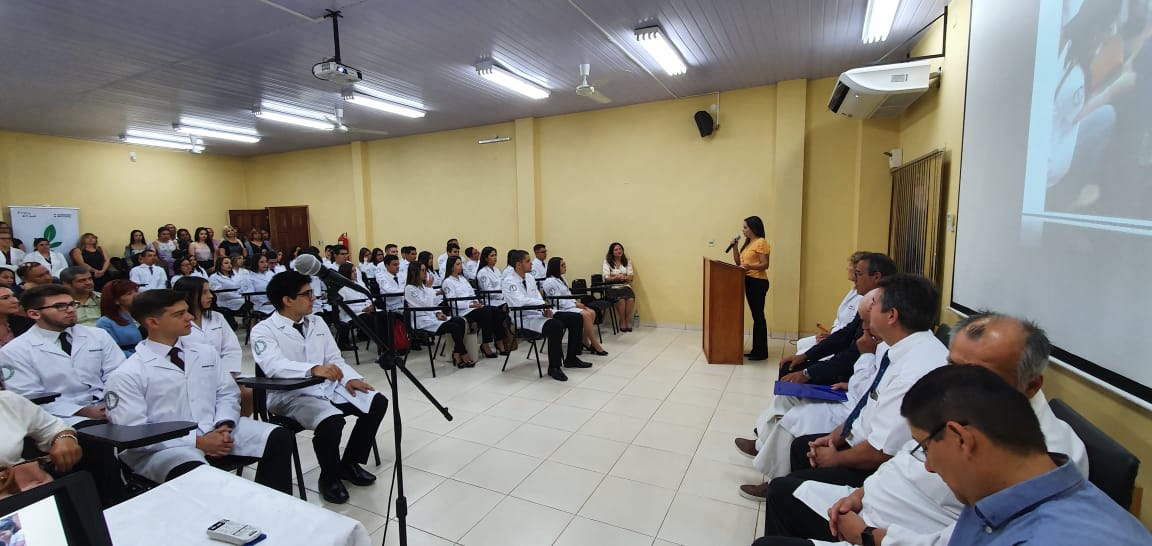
(288, 227)
(246, 219)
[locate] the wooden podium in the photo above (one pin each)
(723, 312)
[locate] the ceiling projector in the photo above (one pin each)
(336, 73)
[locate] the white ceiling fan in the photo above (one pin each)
(587, 90)
(338, 119)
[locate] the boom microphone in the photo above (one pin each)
(311, 266)
(735, 240)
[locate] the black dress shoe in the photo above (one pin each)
(333, 490)
(598, 353)
(557, 374)
(576, 363)
(758, 357)
(357, 475)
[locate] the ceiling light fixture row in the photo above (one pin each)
(656, 43)
(878, 20)
(163, 140)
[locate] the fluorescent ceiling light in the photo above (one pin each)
(658, 46)
(142, 141)
(498, 75)
(362, 99)
(152, 135)
(376, 93)
(311, 123)
(215, 133)
(878, 20)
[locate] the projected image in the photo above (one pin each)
(1090, 142)
(11, 532)
(35, 525)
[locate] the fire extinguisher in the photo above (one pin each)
(343, 239)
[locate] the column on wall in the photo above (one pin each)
(873, 183)
(361, 197)
(527, 183)
(785, 224)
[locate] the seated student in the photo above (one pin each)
(116, 315)
(360, 304)
(30, 275)
(845, 313)
(58, 355)
(209, 328)
(903, 316)
(520, 291)
(339, 255)
(554, 286)
(78, 279)
(364, 264)
(149, 275)
(981, 436)
(407, 257)
(22, 420)
(187, 267)
(226, 285)
(174, 379)
(418, 292)
(388, 278)
(257, 281)
(425, 259)
(510, 267)
(294, 343)
(320, 305)
(43, 254)
(905, 502)
(442, 259)
(9, 255)
(540, 262)
(489, 278)
(276, 261)
(7, 276)
(488, 319)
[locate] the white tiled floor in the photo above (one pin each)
(635, 450)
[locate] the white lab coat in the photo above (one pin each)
(521, 292)
(214, 332)
(423, 296)
(490, 279)
(17, 258)
(281, 351)
(554, 287)
(470, 268)
(227, 300)
(356, 301)
(539, 268)
(148, 388)
(149, 277)
(258, 282)
(845, 314)
(57, 264)
(458, 287)
(390, 284)
(38, 364)
(441, 261)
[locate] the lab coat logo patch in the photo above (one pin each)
(111, 400)
(6, 372)
(259, 346)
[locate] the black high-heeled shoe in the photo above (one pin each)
(488, 355)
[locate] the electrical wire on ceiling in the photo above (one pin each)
(620, 47)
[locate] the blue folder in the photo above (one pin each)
(802, 390)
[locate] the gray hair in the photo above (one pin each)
(1033, 358)
(69, 273)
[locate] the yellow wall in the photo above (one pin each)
(936, 122)
(320, 178)
(115, 194)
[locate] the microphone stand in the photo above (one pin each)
(390, 362)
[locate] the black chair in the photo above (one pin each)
(350, 332)
(415, 335)
(1111, 467)
(601, 306)
(530, 336)
(599, 286)
(943, 333)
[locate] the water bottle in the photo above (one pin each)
(636, 319)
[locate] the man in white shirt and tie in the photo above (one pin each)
(540, 262)
(520, 291)
(471, 262)
(148, 275)
(451, 248)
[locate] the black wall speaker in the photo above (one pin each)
(704, 123)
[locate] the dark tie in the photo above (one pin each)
(884, 362)
(299, 326)
(397, 279)
(525, 284)
(66, 343)
(150, 270)
(8, 257)
(174, 356)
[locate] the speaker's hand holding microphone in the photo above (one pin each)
(732, 245)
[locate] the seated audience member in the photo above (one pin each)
(230, 245)
(418, 292)
(170, 379)
(58, 355)
(183, 240)
(452, 248)
(359, 304)
(388, 278)
(226, 286)
(845, 313)
(165, 247)
(116, 315)
(375, 262)
(471, 262)
(556, 287)
(294, 343)
(488, 319)
(521, 291)
(408, 256)
(618, 270)
(90, 253)
(904, 312)
(187, 267)
(540, 262)
(791, 417)
(9, 255)
(266, 236)
(78, 280)
(137, 244)
(149, 275)
(12, 321)
(340, 255)
(43, 254)
(276, 262)
(425, 259)
(905, 502)
(21, 419)
(257, 281)
(201, 249)
(365, 266)
(32, 274)
(982, 438)
(209, 328)
(510, 269)
(489, 278)
(7, 276)
(810, 367)
(256, 244)
(391, 249)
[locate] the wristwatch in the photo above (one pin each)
(866, 537)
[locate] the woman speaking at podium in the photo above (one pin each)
(752, 256)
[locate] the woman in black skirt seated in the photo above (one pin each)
(618, 270)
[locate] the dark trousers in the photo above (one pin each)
(781, 541)
(490, 321)
(553, 331)
(275, 467)
(326, 437)
(802, 467)
(454, 327)
(756, 290)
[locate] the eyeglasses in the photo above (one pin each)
(304, 294)
(62, 306)
(920, 452)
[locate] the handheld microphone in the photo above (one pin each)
(732, 245)
(311, 266)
